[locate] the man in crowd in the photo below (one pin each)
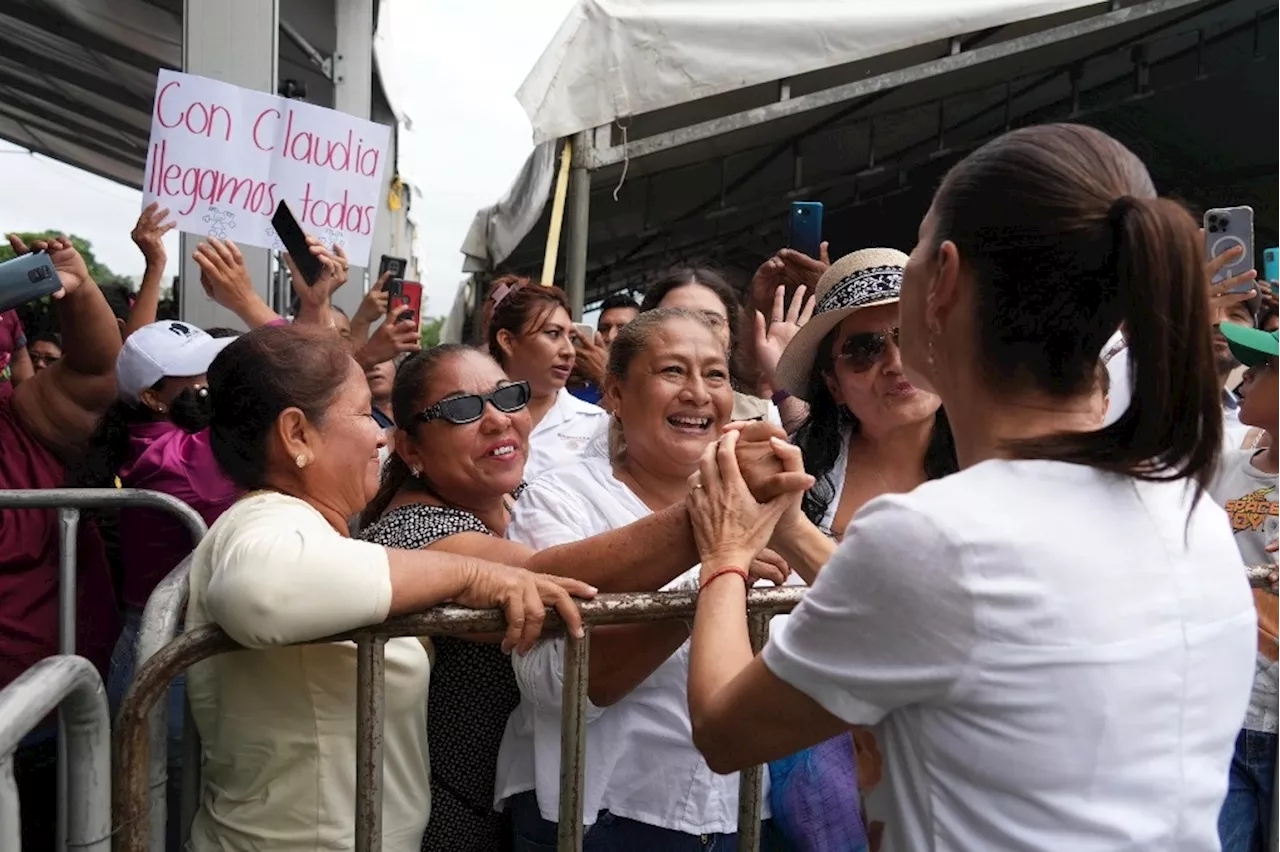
(592, 356)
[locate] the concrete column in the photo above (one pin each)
(579, 222)
(353, 94)
(236, 41)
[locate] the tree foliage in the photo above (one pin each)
(431, 328)
(97, 269)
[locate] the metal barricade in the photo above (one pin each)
(72, 686)
(133, 741)
(69, 502)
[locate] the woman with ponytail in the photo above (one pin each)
(1061, 631)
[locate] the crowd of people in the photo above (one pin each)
(1027, 472)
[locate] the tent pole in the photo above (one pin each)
(579, 217)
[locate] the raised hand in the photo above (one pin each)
(591, 358)
(148, 233)
(773, 334)
(375, 303)
(391, 339)
(223, 274)
(1220, 295)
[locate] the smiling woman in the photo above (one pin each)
(531, 336)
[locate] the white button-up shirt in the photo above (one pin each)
(562, 434)
(641, 763)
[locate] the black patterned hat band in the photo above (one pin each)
(866, 286)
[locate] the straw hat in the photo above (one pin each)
(860, 280)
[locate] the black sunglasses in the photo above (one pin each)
(460, 410)
(864, 350)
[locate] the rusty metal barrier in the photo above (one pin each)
(72, 686)
(133, 743)
(69, 502)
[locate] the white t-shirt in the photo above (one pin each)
(1052, 657)
(562, 434)
(1249, 497)
(640, 759)
(278, 724)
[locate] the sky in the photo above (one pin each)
(451, 68)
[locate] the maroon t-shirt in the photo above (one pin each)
(29, 563)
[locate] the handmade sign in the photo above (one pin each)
(221, 158)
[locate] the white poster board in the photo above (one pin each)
(221, 158)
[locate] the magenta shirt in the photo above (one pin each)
(164, 458)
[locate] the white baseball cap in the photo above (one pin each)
(166, 348)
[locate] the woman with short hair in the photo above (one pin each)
(291, 425)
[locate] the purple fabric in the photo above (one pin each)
(814, 798)
(165, 458)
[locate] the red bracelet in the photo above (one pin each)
(746, 578)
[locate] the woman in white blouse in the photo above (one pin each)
(1054, 646)
(291, 425)
(668, 388)
(531, 336)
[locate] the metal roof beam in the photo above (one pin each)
(73, 32)
(71, 132)
(598, 158)
(15, 90)
(40, 66)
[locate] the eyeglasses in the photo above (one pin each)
(460, 410)
(864, 350)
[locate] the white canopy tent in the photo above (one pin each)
(695, 123)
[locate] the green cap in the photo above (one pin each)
(1251, 346)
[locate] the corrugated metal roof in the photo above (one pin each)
(77, 77)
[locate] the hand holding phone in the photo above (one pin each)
(1225, 229)
(295, 243)
(404, 302)
(805, 228)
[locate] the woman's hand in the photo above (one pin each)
(761, 465)
(148, 234)
(523, 598)
(774, 333)
(729, 526)
(373, 306)
(1220, 295)
(64, 256)
(223, 274)
(769, 566)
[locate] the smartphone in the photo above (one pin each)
(585, 332)
(295, 242)
(805, 228)
(405, 302)
(1271, 264)
(397, 266)
(1224, 229)
(26, 278)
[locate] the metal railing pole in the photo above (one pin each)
(160, 619)
(71, 685)
(573, 742)
(751, 779)
(10, 808)
(152, 679)
(371, 686)
(68, 532)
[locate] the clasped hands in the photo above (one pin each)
(747, 491)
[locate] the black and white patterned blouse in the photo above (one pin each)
(473, 691)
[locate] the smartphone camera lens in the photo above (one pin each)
(1224, 222)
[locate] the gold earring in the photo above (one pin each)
(300, 460)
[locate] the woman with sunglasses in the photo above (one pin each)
(460, 450)
(869, 431)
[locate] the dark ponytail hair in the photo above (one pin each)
(412, 378)
(109, 448)
(820, 436)
(1060, 227)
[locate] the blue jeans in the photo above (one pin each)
(1245, 818)
(124, 662)
(611, 833)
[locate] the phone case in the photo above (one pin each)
(1271, 264)
(805, 231)
(1224, 228)
(27, 278)
(408, 298)
(295, 242)
(397, 266)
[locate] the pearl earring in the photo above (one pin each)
(416, 472)
(931, 357)
(300, 460)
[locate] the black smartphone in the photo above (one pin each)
(397, 266)
(295, 242)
